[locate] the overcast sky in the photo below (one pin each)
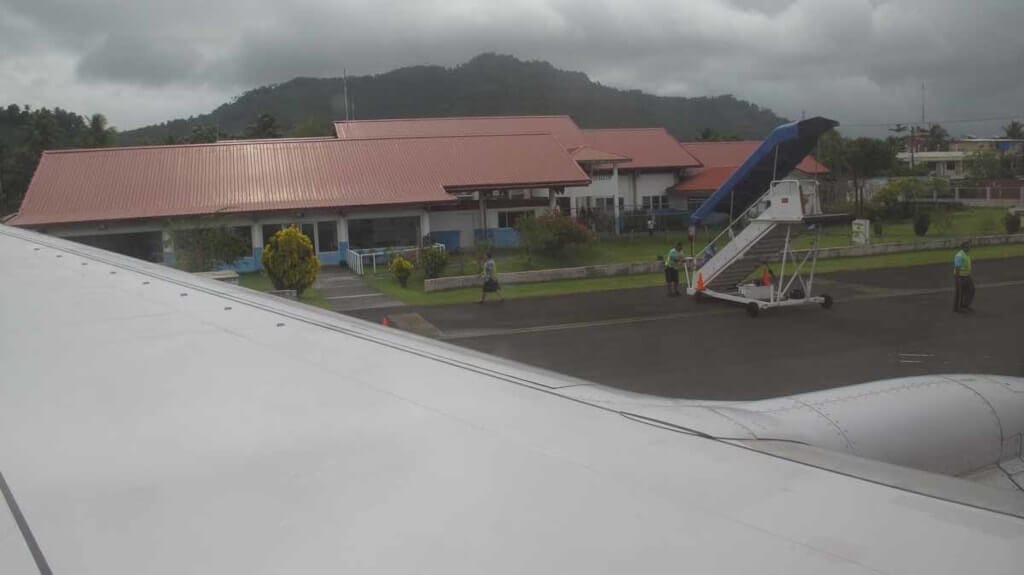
(859, 61)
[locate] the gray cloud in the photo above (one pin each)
(139, 60)
(862, 61)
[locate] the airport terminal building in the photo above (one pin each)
(375, 184)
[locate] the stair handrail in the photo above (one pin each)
(756, 202)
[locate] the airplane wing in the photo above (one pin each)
(155, 422)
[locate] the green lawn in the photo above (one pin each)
(638, 248)
(908, 259)
(414, 294)
(952, 224)
(260, 282)
(624, 249)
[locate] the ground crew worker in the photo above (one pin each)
(491, 284)
(672, 263)
(650, 225)
(964, 296)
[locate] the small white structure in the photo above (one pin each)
(951, 164)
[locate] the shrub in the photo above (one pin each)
(1012, 223)
(290, 260)
(550, 233)
(921, 222)
(201, 249)
(401, 268)
(943, 220)
(434, 260)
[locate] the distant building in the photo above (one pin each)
(1000, 145)
(718, 161)
(953, 164)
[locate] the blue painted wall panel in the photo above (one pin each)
(450, 239)
(499, 237)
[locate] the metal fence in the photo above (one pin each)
(631, 220)
(360, 259)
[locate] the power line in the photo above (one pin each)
(1005, 118)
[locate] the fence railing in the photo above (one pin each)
(354, 261)
(357, 258)
(631, 219)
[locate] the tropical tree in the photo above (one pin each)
(936, 139)
(1014, 130)
(311, 127)
(867, 158)
(265, 126)
(203, 134)
(97, 134)
(203, 246)
(987, 165)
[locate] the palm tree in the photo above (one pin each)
(1014, 130)
(97, 134)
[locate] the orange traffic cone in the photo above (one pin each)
(766, 277)
(700, 281)
(385, 321)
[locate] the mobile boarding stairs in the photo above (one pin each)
(769, 228)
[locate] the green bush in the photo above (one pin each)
(922, 221)
(201, 249)
(550, 233)
(943, 221)
(434, 260)
(1012, 223)
(401, 268)
(893, 201)
(290, 260)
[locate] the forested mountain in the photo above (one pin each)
(489, 84)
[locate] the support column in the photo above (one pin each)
(615, 199)
(483, 214)
(168, 247)
(424, 224)
(636, 200)
(551, 199)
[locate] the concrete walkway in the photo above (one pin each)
(346, 291)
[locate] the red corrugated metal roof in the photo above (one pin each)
(647, 147)
(561, 127)
(733, 154)
(720, 160)
(588, 154)
(163, 181)
(704, 179)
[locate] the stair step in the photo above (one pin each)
(768, 248)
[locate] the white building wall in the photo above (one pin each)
(464, 221)
(492, 215)
(654, 184)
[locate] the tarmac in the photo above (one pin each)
(884, 324)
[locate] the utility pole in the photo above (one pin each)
(344, 83)
(922, 103)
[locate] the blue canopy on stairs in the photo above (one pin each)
(778, 155)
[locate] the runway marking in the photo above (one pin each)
(491, 332)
